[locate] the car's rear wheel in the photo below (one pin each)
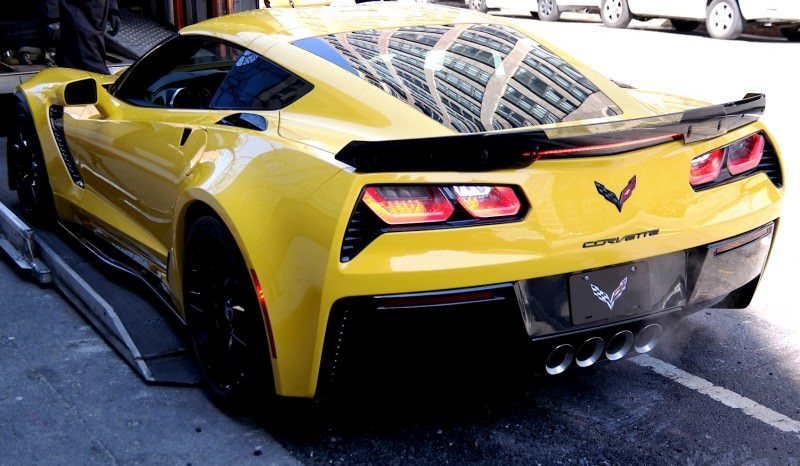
(224, 317)
(791, 33)
(684, 25)
(548, 10)
(27, 171)
(724, 20)
(615, 13)
(478, 5)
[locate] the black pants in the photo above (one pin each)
(82, 40)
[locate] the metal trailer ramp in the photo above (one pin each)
(136, 325)
(137, 35)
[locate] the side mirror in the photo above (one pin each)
(81, 92)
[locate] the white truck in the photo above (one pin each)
(547, 10)
(724, 19)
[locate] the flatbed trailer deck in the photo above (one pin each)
(119, 306)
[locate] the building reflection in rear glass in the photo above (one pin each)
(469, 77)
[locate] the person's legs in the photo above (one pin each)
(82, 39)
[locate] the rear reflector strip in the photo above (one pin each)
(745, 239)
(263, 303)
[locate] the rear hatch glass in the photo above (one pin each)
(469, 77)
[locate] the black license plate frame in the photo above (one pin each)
(610, 293)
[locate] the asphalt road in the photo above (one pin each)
(66, 398)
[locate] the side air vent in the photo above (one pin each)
(57, 123)
(364, 227)
(770, 165)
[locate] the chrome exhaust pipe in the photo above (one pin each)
(589, 352)
(648, 338)
(559, 359)
(619, 345)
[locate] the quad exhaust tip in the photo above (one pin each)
(594, 348)
(648, 338)
(589, 352)
(619, 345)
(559, 359)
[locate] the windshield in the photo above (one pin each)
(469, 77)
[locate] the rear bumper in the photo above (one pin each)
(537, 314)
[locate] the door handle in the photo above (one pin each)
(245, 120)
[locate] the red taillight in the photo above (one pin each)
(397, 205)
(745, 154)
(738, 157)
(707, 167)
(488, 201)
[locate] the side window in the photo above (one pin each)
(255, 83)
(182, 73)
(193, 72)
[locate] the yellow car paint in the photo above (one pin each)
(287, 201)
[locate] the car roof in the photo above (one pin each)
(290, 24)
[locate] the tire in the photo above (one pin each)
(791, 33)
(224, 318)
(27, 171)
(548, 10)
(478, 5)
(724, 20)
(615, 13)
(684, 25)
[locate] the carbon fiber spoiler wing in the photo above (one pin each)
(515, 149)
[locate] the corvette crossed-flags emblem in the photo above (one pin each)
(610, 300)
(612, 198)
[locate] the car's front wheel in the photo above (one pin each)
(26, 169)
(223, 313)
(615, 13)
(724, 20)
(548, 10)
(478, 5)
(684, 25)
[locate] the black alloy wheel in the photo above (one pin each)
(224, 317)
(548, 10)
(26, 170)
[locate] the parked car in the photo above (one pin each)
(725, 19)
(547, 10)
(309, 189)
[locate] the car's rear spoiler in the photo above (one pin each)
(512, 149)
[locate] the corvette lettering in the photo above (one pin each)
(620, 239)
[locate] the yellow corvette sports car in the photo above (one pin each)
(297, 183)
